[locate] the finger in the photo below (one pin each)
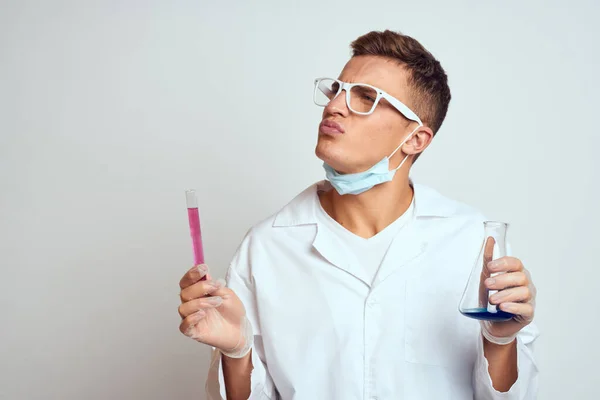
(505, 264)
(507, 280)
(203, 303)
(513, 295)
(190, 322)
(488, 250)
(223, 290)
(485, 273)
(194, 274)
(523, 309)
(200, 289)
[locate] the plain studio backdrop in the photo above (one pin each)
(110, 110)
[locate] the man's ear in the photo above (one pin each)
(419, 141)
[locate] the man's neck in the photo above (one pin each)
(370, 212)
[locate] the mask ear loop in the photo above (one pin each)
(402, 144)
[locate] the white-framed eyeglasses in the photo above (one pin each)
(360, 97)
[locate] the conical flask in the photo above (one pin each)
(475, 300)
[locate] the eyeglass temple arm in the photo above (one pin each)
(407, 112)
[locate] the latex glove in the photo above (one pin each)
(516, 295)
(213, 314)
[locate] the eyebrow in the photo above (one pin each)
(375, 86)
(360, 83)
(363, 89)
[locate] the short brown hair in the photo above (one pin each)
(429, 83)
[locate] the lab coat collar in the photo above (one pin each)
(302, 209)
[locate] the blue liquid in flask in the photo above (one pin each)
(484, 315)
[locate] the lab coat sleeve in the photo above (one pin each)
(261, 384)
(526, 386)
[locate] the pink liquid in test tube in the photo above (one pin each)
(195, 232)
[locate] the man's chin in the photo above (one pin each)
(324, 155)
(330, 154)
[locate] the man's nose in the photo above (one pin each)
(338, 105)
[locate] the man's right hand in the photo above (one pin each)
(210, 312)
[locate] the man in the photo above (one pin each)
(351, 290)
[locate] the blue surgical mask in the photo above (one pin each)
(360, 182)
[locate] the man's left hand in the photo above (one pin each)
(516, 295)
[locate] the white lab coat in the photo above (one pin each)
(323, 331)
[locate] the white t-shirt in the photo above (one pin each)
(369, 252)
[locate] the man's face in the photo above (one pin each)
(366, 139)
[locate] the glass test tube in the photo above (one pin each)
(195, 232)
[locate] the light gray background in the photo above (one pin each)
(109, 110)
